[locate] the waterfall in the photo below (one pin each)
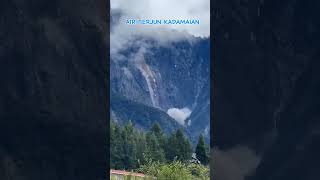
(148, 76)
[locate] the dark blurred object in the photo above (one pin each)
(54, 94)
(267, 81)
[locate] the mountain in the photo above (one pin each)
(171, 77)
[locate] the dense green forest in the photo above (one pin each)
(149, 152)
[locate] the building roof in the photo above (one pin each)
(120, 172)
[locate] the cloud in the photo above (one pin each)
(169, 9)
(180, 115)
(122, 35)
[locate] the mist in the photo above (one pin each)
(180, 115)
(234, 164)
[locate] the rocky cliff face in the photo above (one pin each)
(53, 95)
(172, 78)
(266, 89)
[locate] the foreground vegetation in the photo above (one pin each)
(173, 171)
(156, 154)
(176, 171)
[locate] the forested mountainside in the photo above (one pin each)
(53, 95)
(266, 89)
(171, 78)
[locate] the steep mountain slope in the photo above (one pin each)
(53, 94)
(172, 76)
(199, 120)
(141, 115)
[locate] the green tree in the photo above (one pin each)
(156, 129)
(115, 146)
(141, 146)
(154, 151)
(170, 150)
(128, 147)
(178, 147)
(201, 151)
(185, 147)
(112, 142)
(131, 148)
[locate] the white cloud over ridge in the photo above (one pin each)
(169, 9)
(180, 115)
(122, 34)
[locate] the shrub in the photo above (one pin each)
(199, 172)
(175, 171)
